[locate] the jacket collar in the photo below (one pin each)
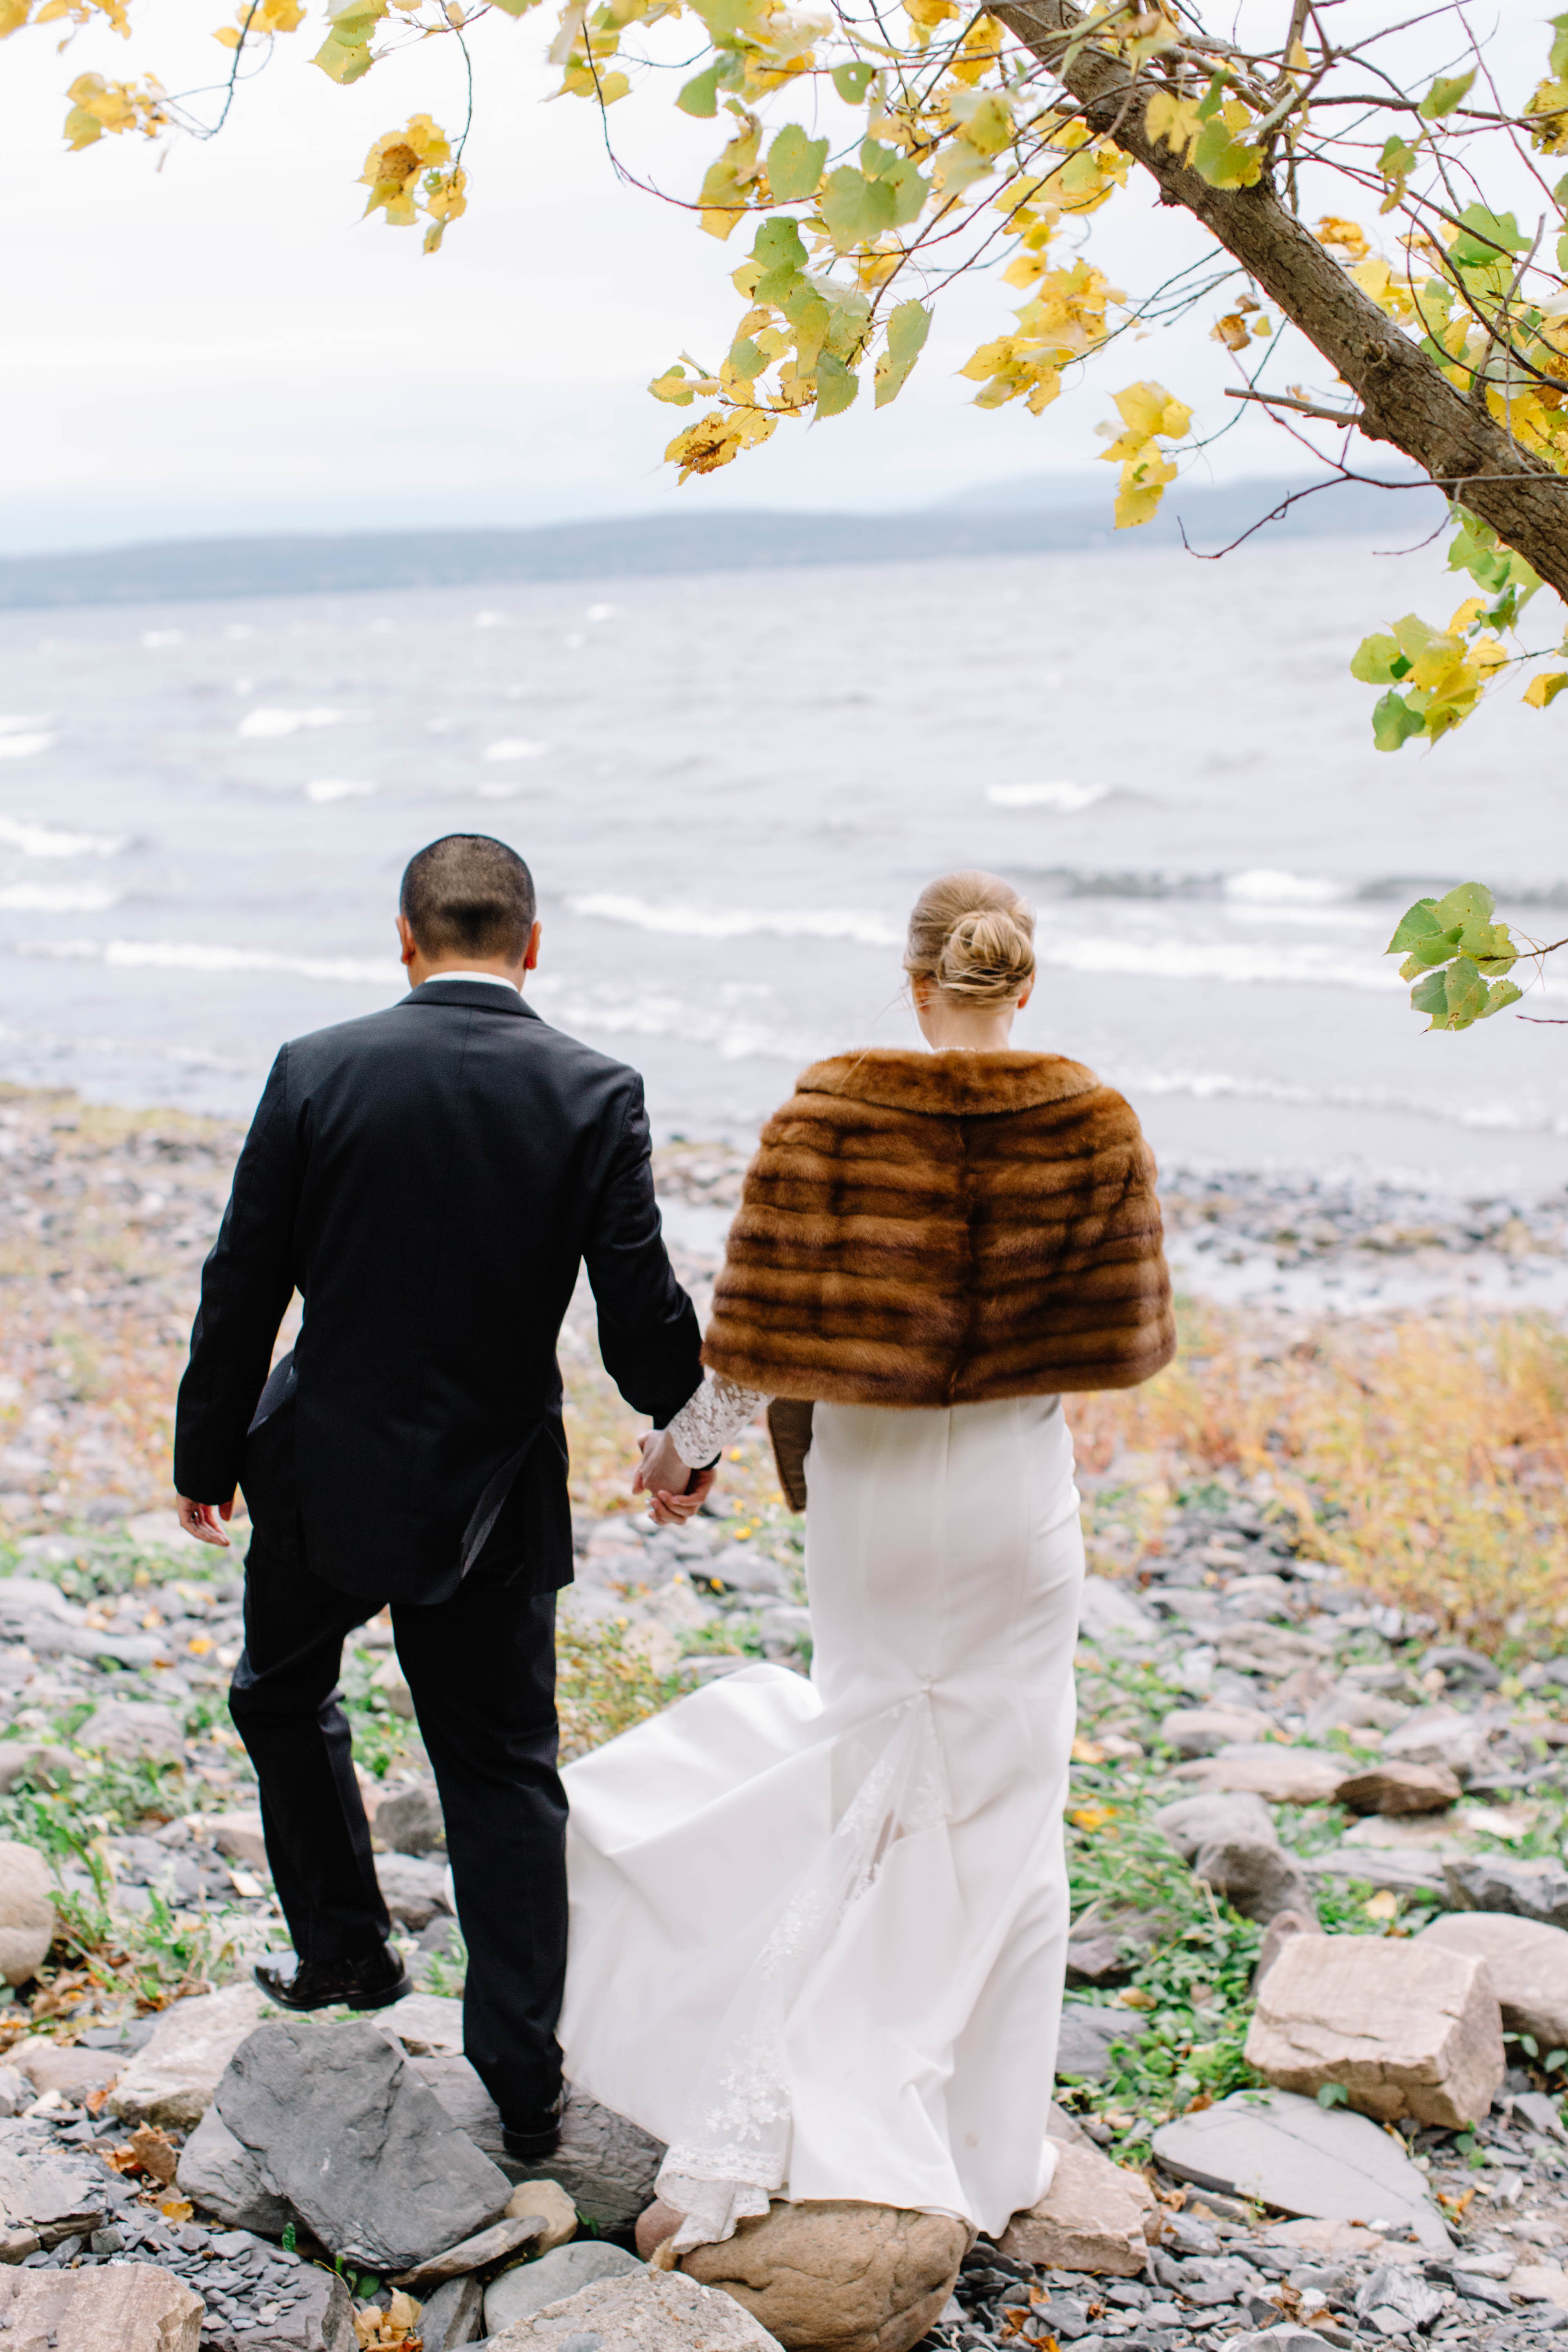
(957, 1085)
(476, 995)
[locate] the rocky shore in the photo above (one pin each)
(1309, 2087)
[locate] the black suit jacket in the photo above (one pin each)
(429, 1179)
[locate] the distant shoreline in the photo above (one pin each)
(744, 539)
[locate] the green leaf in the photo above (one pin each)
(1485, 237)
(1333, 2094)
(907, 330)
(856, 210)
(1553, 2059)
(1501, 993)
(778, 247)
(837, 386)
(810, 317)
(1559, 55)
(701, 96)
(1225, 162)
(1417, 925)
(1374, 660)
(1466, 992)
(1431, 996)
(1393, 722)
(794, 163)
(1467, 902)
(746, 360)
(1528, 2041)
(852, 82)
(1445, 95)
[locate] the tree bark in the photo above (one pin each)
(1404, 397)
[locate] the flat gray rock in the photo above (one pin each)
(223, 2178)
(454, 2315)
(605, 2165)
(1087, 2034)
(519, 2292)
(347, 2132)
(411, 1821)
(412, 1890)
(54, 2195)
(1404, 1872)
(1497, 1882)
(1301, 2159)
(1110, 1612)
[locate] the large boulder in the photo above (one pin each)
(1095, 2216)
(410, 1821)
(655, 2311)
(172, 2078)
(221, 2176)
(837, 2276)
(550, 2206)
(605, 2165)
(345, 2130)
(412, 1891)
(26, 1912)
(1407, 2029)
(120, 2307)
(516, 2294)
(1527, 1962)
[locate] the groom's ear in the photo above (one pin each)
(531, 960)
(405, 941)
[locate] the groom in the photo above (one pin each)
(429, 1179)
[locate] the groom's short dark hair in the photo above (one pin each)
(467, 895)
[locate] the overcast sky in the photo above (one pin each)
(224, 345)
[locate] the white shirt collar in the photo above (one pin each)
(491, 978)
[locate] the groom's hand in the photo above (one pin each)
(676, 1491)
(201, 1520)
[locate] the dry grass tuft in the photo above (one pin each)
(1425, 1455)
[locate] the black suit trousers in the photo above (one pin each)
(480, 1667)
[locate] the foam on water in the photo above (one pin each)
(22, 747)
(738, 922)
(338, 788)
(1262, 886)
(36, 840)
(1065, 796)
(265, 722)
(198, 955)
(58, 897)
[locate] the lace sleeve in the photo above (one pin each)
(709, 1418)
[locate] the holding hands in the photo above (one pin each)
(676, 1491)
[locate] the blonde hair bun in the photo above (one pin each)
(974, 936)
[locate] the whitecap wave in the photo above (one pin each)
(22, 747)
(36, 840)
(514, 746)
(1102, 955)
(57, 897)
(338, 788)
(199, 955)
(1500, 1115)
(26, 726)
(738, 922)
(1265, 886)
(267, 722)
(1066, 796)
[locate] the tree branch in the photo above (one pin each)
(1405, 399)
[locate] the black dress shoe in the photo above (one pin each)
(372, 1981)
(537, 2135)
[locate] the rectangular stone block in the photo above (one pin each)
(1408, 2029)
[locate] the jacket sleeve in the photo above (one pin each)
(647, 1327)
(246, 1284)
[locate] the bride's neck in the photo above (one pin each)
(950, 1028)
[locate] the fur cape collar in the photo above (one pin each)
(961, 1085)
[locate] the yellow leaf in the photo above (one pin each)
(176, 2208)
(1384, 1905)
(1544, 690)
(12, 16)
(1090, 1818)
(1174, 120)
(1086, 1751)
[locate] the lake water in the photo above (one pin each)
(732, 787)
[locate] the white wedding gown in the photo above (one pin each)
(818, 1928)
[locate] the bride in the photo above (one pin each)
(818, 1926)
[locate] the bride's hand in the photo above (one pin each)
(676, 1491)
